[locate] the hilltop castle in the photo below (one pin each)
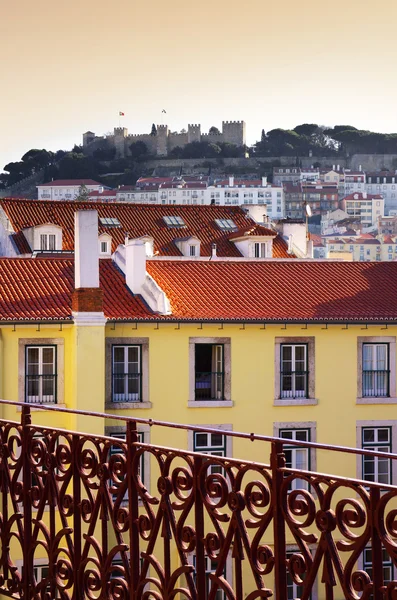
(160, 144)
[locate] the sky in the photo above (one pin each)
(69, 67)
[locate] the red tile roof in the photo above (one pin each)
(70, 182)
(41, 290)
(278, 291)
(219, 290)
(104, 194)
(137, 220)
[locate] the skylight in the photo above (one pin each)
(174, 221)
(110, 222)
(226, 224)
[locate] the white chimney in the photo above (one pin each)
(359, 167)
(333, 167)
(231, 181)
(338, 167)
(213, 250)
(86, 249)
(135, 265)
(264, 181)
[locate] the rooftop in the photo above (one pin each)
(136, 220)
(199, 290)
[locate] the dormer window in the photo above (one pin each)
(193, 250)
(109, 222)
(47, 241)
(104, 247)
(260, 250)
(174, 221)
(226, 224)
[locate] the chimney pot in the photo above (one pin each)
(213, 250)
(86, 250)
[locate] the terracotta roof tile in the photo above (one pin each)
(137, 220)
(41, 290)
(216, 290)
(279, 291)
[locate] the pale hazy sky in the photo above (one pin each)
(68, 66)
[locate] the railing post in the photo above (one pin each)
(133, 503)
(77, 532)
(376, 545)
(27, 570)
(277, 461)
(199, 526)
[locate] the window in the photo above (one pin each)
(174, 221)
(126, 374)
(40, 374)
(294, 371)
(104, 247)
(211, 567)
(109, 222)
(226, 224)
(192, 250)
(259, 250)
(296, 457)
(376, 468)
(209, 372)
(388, 570)
(375, 372)
(210, 443)
(47, 241)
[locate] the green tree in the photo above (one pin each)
(154, 130)
(83, 193)
(138, 150)
(214, 130)
(307, 129)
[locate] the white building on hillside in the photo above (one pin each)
(66, 189)
(367, 207)
(249, 191)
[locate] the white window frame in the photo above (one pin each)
(377, 446)
(311, 399)
(126, 396)
(59, 343)
(391, 341)
(360, 425)
(48, 241)
(41, 398)
(227, 447)
(311, 428)
(144, 403)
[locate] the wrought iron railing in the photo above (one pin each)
(126, 387)
(209, 385)
(376, 384)
(294, 384)
(41, 389)
(80, 502)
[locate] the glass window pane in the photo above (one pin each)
(201, 439)
(383, 435)
(216, 439)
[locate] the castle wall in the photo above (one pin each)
(177, 139)
(213, 138)
(149, 140)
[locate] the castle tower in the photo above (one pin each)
(234, 132)
(88, 137)
(120, 133)
(162, 140)
(193, 133)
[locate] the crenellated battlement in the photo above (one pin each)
(164, 141)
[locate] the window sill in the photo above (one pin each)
(210, 403)
(376, 400)
(34, 408)
(127, 405)
(295, 402)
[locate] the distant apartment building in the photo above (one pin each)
(282, 175)
(67, 189)
(293, 200)
(365, 248)
(320, 197)
(385, 183)
(248, 191)
(367, 207)
(387, 225)
(353, 181)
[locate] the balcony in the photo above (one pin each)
(209, 386)
(114, 518)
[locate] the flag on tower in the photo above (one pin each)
(121, 114)
(164, 111)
